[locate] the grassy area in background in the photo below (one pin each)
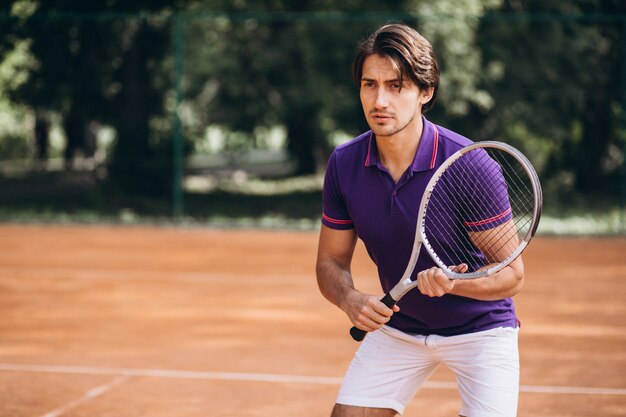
(292, 203)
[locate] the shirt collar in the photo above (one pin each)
(426, 154)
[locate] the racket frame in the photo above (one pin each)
(537, 206)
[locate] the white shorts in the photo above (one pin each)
(391, 366)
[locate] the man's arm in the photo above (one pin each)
(334, 279)
(504, 283)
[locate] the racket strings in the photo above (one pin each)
(466, 191)
(442, 202)
(518, 191)
(517, 195)
(479, 183)
(521, 194)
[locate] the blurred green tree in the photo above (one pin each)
(16, 64)
(106, 61)
(276, 63)
(545, 75)
(557, 90)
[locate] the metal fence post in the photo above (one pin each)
(177, 178)
(622, 173)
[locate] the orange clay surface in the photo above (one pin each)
(153, 322)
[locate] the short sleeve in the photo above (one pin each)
(488, 198)
(334, 210)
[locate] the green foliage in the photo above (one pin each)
(13, 147)
(13, 136)
(453, 36)
(544, 75)
(554, 93)
(266, 70)
(16, 64)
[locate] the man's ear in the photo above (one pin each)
(426, 95)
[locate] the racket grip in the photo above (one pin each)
(358, 334)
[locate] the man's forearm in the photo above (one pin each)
(503, 284)
(334, 282)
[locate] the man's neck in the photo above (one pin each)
(397, 152)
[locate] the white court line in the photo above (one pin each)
(89, 395)
(166, 373)
(292, 379)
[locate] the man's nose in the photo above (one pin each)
(382, 99)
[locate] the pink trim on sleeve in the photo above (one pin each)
(489, 220)
(335, 221)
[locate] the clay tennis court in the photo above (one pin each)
(163, 321)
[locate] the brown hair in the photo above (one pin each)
(409, 52)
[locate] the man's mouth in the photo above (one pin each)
(381, 117)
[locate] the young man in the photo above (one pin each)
(372, 190)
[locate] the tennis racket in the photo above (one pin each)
(478, 213)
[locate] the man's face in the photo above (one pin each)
(389, 106)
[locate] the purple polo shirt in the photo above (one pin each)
(359, 193)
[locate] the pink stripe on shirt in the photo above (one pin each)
(489, 220)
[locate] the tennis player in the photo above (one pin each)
(372, 190)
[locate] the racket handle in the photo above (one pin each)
(358, 334)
